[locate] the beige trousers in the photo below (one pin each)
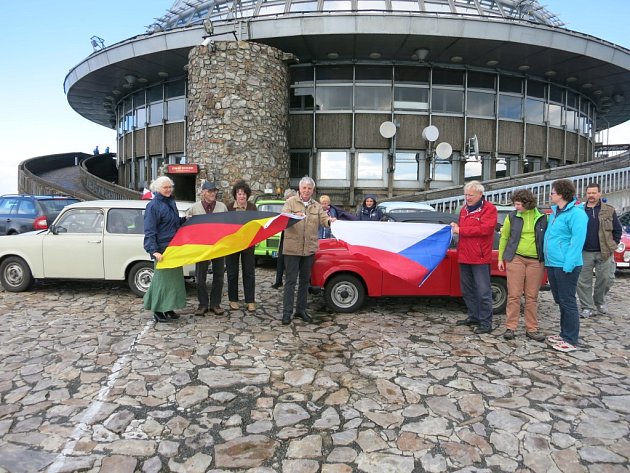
(524, 276)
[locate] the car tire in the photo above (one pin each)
(15, 274)
(344, 293)
(139, 278)
(499, 295)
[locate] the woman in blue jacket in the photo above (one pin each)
(564, 240)
(161, 220)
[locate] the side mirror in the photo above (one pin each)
(53, 229)
(56, 230)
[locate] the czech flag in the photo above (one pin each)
(210, 236)
(409, 251)
(146, 194)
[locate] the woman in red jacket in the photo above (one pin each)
(477, 223)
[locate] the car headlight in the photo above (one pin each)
(621, 247)
(626, 256)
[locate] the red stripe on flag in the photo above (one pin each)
(203, 233)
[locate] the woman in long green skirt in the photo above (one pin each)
(161, 220)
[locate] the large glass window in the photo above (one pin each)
(447, 101)
(510, 107)
(481, 80)
(511, 84)
(175, 89)
(334, 74)
(411, 75)
(176, 109)
(370, 165)
(334, 98)
(447, 77)
(555, 115)
(302, 97)
(299, 164)
(373, 98)
(333, 165)
(141, 117)
(480, 104)
(534, 110)
(156, 113)
(442, 171)
(406, 168)
(411, 98)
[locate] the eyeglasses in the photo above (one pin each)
(553, 193)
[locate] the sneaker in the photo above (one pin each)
(481, 330)
(234, 305)
(251, 307)
(201, 310)
(564, 347)
(554, 339)
(536, 336)
(276, 285)
(603, 309)
(509, 334)
(586, 313)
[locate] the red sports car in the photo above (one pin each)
(346, 281)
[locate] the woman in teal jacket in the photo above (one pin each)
(564, 240)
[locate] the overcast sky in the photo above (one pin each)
(43, 39)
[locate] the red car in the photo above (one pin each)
(346, 281)
(622, 253)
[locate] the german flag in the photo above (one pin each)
(205, 237)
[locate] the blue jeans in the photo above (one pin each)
(475, 284)
(296, 267)
(563, 287)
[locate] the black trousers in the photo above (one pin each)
(248, 266)
(201, 275)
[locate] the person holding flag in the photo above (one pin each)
(161, 221)
(476, 227)
(207, 205)
(241, 193)
(299, 247)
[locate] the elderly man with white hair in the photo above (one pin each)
(476, 228)
(299, 247)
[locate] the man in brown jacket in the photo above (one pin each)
(299, 247)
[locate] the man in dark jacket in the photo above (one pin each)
(477, 223)
(602, 237)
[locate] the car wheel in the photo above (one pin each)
(15, 275)
(344, 293)
(140, 277)
(499, 295)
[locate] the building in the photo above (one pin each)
(385, 96)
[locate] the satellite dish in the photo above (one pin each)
(443, 151)
(430, 133)
(387, 129)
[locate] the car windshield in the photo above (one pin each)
(270, 208)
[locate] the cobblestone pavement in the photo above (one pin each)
(89, 383)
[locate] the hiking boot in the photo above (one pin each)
(536, 336)
(201, 310)
(509, 334)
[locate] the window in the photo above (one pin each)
(510, 107)
(370, 165)
(302, 97)
(81, 221)
(406, 168)
(411, 98)
(175, 109)
(373, 98)
(125, 221)
(534, 110)
(299, 164)
(447, 101)
(411, 75)
(27, 207)
(555, 115)
(511, 84)
(480, 104)
(156, 113)
(442, 171)
(334, 98)
(333, 165)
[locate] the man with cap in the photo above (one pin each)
(207, 205)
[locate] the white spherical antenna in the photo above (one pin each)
(443, 151)
(430, 133)
(387, 129)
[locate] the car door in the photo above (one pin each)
(75, 248)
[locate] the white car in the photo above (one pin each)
(399, 206)
(97, 239)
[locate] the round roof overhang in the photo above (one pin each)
(571, 56)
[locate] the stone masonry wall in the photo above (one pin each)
(238, 115)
